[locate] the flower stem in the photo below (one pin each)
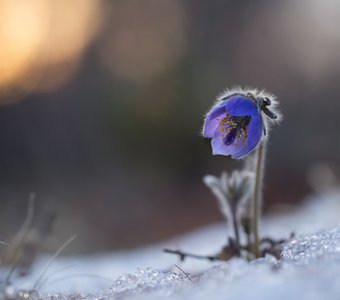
(235, 226)
(257, 199)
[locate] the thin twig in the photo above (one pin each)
(183, 255)
(185, 273)
(272, 242)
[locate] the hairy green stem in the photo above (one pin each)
(257, 199)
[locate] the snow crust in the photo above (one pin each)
(309, 267)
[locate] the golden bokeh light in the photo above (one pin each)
(23, 25)
(72, 25)
(145, 38)
(43, 41)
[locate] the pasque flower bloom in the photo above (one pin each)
(236, 123)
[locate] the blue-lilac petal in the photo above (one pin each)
(230, 137)
(219, 147)
(255, 130)
(211, 122)
(237, 105)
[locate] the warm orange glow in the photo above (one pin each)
(146, 37)
(22, 27)
(71, 28)
(72, 25)
(43, 41)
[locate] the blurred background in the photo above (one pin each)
(102, 104)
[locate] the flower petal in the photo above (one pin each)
(255, 130)
(240, 105)
(237, 105)
(219, 146)
(211, 122)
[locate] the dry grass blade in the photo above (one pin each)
(20, 236)
(69, 241)
(28, 221)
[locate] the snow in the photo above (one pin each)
(309, 268)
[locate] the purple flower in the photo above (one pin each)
(235, 122)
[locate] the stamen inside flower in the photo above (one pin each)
(234, 129)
